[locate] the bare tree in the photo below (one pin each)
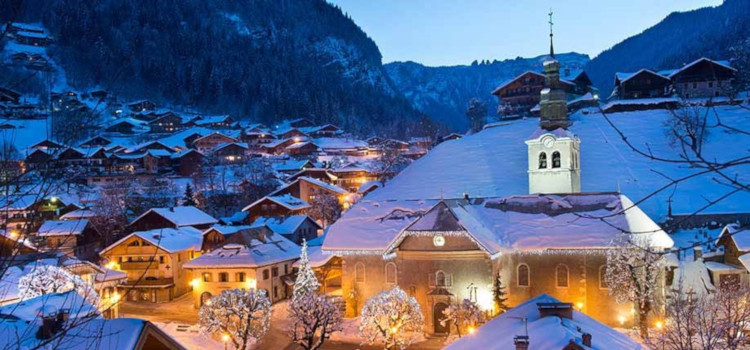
(325, 207)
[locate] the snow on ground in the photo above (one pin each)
(189, 336)
(493, 163)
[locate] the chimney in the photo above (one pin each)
(586, 338)
(63, 315)
(521, 342)
(49, 327)
(697, 253)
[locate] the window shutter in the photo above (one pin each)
(432, 279)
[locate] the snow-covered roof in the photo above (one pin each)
(509, 81)
(745, 260)
(31, 309)
(213, 119)
(78, 214)
(516, 223)
(724, 64)
(719, 267)
(283, 225)
(226, 229)
(550, 332)
(285, 200)
(316, 182)
(298, 145)
(316, 257)
(168, 239)
(333, 143)
(494, 163)
(62, 227)
(739, 235)
(275, 249)
(623, 77)
(291, 165)
(182, 216)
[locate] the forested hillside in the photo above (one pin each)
(265, 60)
(678, 39)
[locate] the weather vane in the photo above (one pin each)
(551, 48)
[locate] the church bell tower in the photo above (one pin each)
(554, 151)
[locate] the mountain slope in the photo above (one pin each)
(261, 59)
(678, 39)
(444, 92)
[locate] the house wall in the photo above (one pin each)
(254, 278)
(135, 262)
(418, 259)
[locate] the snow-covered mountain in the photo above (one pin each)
(265, 60)
(444, 92)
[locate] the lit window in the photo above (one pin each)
(206, 277)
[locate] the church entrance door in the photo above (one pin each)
(437, 315)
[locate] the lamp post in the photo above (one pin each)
(225, 339)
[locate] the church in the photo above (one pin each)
(551, 238)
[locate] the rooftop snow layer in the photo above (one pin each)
(62, 227)
(494, 163)
(549, 332)
(281, 225)
(183, 216)
(168, 239)
(276, 249)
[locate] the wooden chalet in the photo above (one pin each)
(75, 238)
(293, 133)
(96, 141)
(277, 147)
(230, 153)
(294, 228)
(187, 162)
(165, 123)
(301, 123)
(208, 142)
(141, 106)
(125, 126)
(703, 78)
(303, 148)
(218, 235)
(215, 122)
(275, 206)
(641, 84)
(732, 268)
(173, 217)
(307, 189)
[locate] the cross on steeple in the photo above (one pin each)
(551, 48)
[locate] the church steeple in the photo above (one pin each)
(553, 102)
(551, 47)
(554, 151)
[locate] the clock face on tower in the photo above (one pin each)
(548, 141)
(438, 241)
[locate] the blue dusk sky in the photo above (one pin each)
(451, 32)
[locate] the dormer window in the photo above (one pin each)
(543, 160)
(556, 159)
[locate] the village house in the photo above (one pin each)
(24, 213)
(232, 152)
(641, 84)
(217, 235)
(96, 141)
(141, 106)
(76, 238)
(703, 78)
(248, 260)
(275, 206)
(153, 261)
(215, 122)
(292, 133)
(295, 228)
(547, 323)
(299, 149)
(300, 123)
(12, 243)
(208, 142)
(353, 176)
(306, 189)
(520, 94)
(323, 174)
(167, 122)
(292, 166)
(187, 162)
(327, 130)
(278, 146)
(732, 267)
(127, 126)
(172, 217)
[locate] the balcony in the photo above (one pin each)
(139, 265)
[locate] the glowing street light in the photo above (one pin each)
(472, 330)
(621, 319)
(659, 325)
(579, 305)
(225, 339)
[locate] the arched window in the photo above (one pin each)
(556, 159)
(440, 279)
(603, 277)
(562, 276)
(390, 273)
(523, 277)
(543, 160)
(359, 272)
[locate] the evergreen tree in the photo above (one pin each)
(499, 295)
(189, 198)
(306, 280)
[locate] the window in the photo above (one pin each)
(265, 274)
(562, 276)
(556, 159)
(135, 243)
(223, 277)
(161, 259)
(275, 271)
(543, 160)
(442, 279)
(240, 277)
(523, 275)
(264, 207)
(390, 273)
(286, 269)
(206, 277)
(359, 272)
(603, 277)
(275, 292)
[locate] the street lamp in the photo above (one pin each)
(225, 339)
